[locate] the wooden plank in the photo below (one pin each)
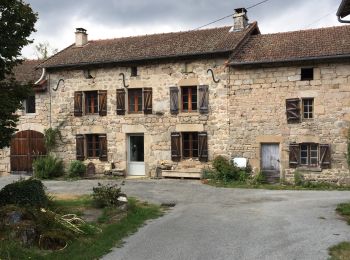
(181, 174)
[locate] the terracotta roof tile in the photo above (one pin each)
(27, 72)
(298, 45)
(149, 47)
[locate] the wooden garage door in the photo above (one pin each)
(25, 147)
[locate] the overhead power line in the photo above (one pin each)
(321, 18)
(227, 16)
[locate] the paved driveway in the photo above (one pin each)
(215, 223)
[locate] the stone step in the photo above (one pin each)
(182, 174)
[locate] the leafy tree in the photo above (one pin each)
(17, 21)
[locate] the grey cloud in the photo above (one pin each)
(274, 15)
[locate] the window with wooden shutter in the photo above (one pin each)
(78, 103)
(203, 146)
(294, 154)
(103, 147)
(325, 156)
(147, 100)
(293, 110)
(174, 100)
(120, 101)
(102, 102)
(80, 155)
(203, 92)
(175, 146)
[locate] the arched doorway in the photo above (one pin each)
(26, 146)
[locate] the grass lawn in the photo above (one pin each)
(278, 186)
(342, 250)
(94, 244)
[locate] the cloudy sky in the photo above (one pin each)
(118, 18)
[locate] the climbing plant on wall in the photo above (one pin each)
(51, 136)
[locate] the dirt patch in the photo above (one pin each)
(91, 214)
(65, 196)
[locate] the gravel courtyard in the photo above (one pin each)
(218, 223)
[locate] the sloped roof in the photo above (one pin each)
(344, 9)
(27, 71)
(151, 47)
(323, 43)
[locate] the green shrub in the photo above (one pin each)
(208, 174)
(106, 195)
(24, 192)
(48, 167)
(243, 176)
(76, 169)
(225, 170)
(298, 179)
(257, 179)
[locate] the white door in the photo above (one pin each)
(270, 158)
(136, 162)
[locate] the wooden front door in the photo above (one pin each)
(26, 146)
(270, 161)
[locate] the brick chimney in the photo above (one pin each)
(81, 37)
(240, 19)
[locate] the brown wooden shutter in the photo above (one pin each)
(203, 146)
(203, 99)
(174, 100)
(78, 103)
(80, 147)
(175, 146)
(102, 102)
(325, 156)
(293, 110)
(103, 147)
(294, 155)
(147, 100)
(120, 101)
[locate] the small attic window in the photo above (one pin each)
(307, 74)
(133, 71)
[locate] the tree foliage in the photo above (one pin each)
(17, 21)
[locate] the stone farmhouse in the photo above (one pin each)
(279, 100)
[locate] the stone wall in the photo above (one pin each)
(156, 127)
(258, 113)
(37, 122)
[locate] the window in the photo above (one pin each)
(91, 102)
(297, 109)
(133, 71)
(307, 74)
(308, 105)
(29, 105)
(189, 145)
(189, 99)
(91, 146)
(95, 102)
(135, 100)
(138, 101)
(309, 155)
